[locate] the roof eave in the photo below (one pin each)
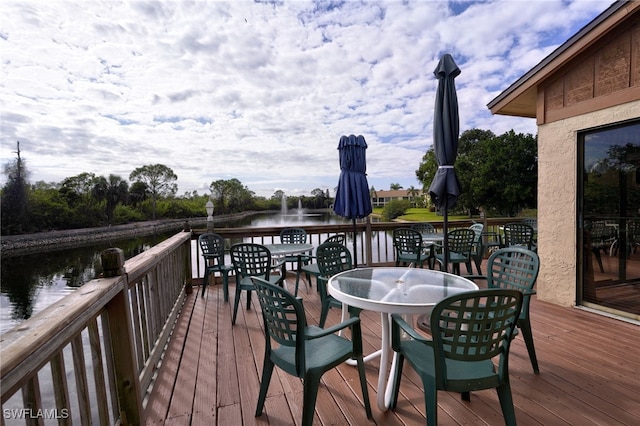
(519, 99)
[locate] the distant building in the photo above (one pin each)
(383, 197)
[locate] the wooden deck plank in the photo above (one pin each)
(249, 371)
(182, 402)
(589, 374)
(204, 404)
(226, 373)
(159, 400)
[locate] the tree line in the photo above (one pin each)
(87, 200)
(498, 174)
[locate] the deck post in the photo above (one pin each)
(188, 275)
(120, 329)
(368, 240)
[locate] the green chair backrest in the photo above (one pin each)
(212, 247)
(284, 321)
(407, 241)
(514, 268)
(477, 228)
(251, 260)
(338, 238)
(518, 234)
(333, 258)
(474, 326)
(531, 221)
(423, 227)
(461, 241)
(293, 236)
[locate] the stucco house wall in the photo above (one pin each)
(557, 199)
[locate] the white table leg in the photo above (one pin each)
(388, 392)
(385, 387)
(383, 404)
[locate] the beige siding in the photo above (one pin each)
(557, 199)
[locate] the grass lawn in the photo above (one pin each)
(421, 215)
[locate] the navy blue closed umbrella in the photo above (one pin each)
(352, 197)
(445, 187)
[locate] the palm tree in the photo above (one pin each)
(413, 192)
(113, 190)
(372, 193)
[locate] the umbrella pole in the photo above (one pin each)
(445, 231)
(355, 246)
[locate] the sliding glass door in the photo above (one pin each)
(609, 218)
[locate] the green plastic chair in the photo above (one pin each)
(519, 234)
(311, 269)
(491, 241)
(460, 243)
(212, 248)
(332, 259)
(468, 330)
(477, 250)
(532, 222)
(516, 268)
(303, 351)
(409, 249)
(295, 236)
(423, 227)
(252, 260)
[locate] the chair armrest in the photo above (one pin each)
(528, 292)
(320, 332)
(398, 323)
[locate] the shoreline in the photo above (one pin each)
(12, 245)
(33, 243)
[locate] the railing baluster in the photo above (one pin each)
(32, 398)
(80, 373)
(98, 372)
(60, 386)
(138, 329)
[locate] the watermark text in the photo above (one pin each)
(32, 413)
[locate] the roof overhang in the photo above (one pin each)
(520, 99)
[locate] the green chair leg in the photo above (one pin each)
(225, 284)
(205, 280)
(525, 327)
(267, 371)
(506, 403)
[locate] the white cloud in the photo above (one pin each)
(258, 91)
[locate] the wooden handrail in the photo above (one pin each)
(112, 328)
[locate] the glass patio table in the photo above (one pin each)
(393, 290)
(432, 237)
(281, 250)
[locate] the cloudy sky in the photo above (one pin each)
(260, 91)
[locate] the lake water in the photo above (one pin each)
(29, 283)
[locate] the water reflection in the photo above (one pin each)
(290, 217)
(32, 282)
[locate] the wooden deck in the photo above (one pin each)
(210, 373)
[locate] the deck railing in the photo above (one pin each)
(374, 239)
(92, 354)
(88, 358)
